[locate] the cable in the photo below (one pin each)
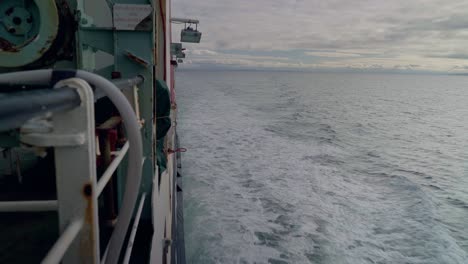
(132, 127)
(163, 19)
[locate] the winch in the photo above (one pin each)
(33, 33)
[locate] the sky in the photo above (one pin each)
(322, 35)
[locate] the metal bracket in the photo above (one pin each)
(53, 140)
(36, 134)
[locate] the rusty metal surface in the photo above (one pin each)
(6, 45)
(110, 123)
(137, 59)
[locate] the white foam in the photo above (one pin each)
(259, 188)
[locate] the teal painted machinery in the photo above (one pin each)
(39, 34)
(125, 41)
(29, 30)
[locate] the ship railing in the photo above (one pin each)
(73, 137)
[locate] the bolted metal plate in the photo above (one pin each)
(131, 16)
(17, 21)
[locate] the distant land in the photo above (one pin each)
(221, 67)
(461, 74)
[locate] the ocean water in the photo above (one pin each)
(324, 168)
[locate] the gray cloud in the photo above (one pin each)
(382, 34)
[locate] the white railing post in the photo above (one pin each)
(73, 139)
(76, 176)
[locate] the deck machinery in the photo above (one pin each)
(89, 157)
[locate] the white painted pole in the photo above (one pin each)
(29, 206)
(56, 253)
(128, 252)
(107, 175)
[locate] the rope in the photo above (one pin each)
(172, 151)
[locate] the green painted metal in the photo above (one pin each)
(177, 51)
(120, 43)
(28, 31)
(18, 21)
(126, 49)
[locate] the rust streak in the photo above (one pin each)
(87, 242)
(6, 45)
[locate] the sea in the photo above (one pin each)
(295, 167)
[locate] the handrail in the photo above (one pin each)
(131, 240)
(122, 84)
(127, 83)
(28, 206)
(107, 175)
(134, 168)
(135, 160)
(56, 253)
(16, 108)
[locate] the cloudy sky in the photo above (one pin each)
(375, 35)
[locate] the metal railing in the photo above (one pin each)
(107, 175)
(74, 107)
(28, 206)
(61, 246)
(17, 108)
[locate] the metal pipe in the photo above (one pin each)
(132, 128)
(185, 20)
(128, 252)
(104, 257)
(126, 83)
(107, 175)
(17, 108)
(135, 159)
(29, 206)
(122, 84)
(56, 253)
